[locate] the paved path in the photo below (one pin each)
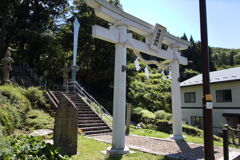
(177, 149)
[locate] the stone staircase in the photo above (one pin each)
(88, 120)
(22, 78)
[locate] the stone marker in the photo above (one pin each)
(7, 66)
(65, 127)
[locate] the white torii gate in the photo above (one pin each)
(154, 38)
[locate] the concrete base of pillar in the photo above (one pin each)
(117, 152)
(177, 137)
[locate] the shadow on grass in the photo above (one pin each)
(114, 158)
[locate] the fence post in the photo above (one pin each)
(45, 84)
(238, 133)
(225, 142)
(128, 119)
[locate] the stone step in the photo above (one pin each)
(84, 109)
(89, 121)
(94, 128)
(88, 118)
(84, 106)
(87, 115)
(85, 112)
(79, 106)
(77, 100)
(91, 125)
(97, 132)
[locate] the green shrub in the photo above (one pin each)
(147, 116)
(136, 114)
(38, 119)
(163, 126)
(9, 119)
(161, 114)
(37, 98)
(152, 94)
(142, 115)
(26, 147)
(13, 108)
(15, 98)
(192, 130)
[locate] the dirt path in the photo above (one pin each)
(176, 149)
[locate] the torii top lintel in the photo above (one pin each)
(115, 15)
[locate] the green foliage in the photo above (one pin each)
(225, 58)
(24, 25)
(148, 132)
(27, 147)
(37, 98)
(152, 94)
(189, 73)
(13, 109)
(9, 119)
(192, 130)
(16, 111)
(162, 115)
(38, 119)
(163, 126)
(142, 115)
(13, 94)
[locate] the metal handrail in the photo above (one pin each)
(42, 81)
(15, 83)
(91, 101)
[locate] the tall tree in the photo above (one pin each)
(24, 21)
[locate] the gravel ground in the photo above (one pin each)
(177, 149)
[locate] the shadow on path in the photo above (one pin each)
(237, 158)
(187, 152)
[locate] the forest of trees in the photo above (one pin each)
(41, 34)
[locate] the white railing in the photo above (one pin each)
(42, 81)
(14, 82)
(73, 86)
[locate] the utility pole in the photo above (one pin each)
(207, 98)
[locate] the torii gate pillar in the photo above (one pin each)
(119, 100)
(176, 98)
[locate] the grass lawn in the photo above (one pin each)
(90, 149)
(158, 134)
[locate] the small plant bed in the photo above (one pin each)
(90, 149)
(27, 147)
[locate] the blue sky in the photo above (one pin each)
(181, 16)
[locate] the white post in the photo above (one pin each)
(75, 41)
(176, 99)
(74, 67)
(119, 101)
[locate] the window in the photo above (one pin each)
(224, 95)
(189, 97)
(197, 121)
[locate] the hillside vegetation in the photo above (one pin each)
(23, 109)
(225, 58)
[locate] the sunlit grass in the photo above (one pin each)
(90, 149)
(158, 134)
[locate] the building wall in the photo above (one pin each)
(195, 109)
